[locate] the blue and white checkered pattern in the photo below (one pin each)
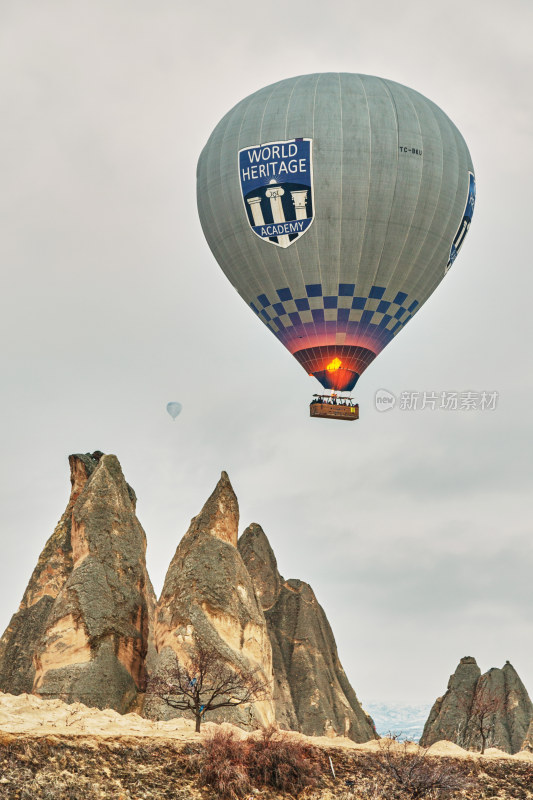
(286, 311)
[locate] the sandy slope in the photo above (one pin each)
(29, 715)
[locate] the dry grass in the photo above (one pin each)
(44, 784)
(136, 768)
(56, 768)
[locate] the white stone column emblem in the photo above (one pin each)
(257, 214)
(275, 193)
(299, 198)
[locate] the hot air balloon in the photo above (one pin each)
(335, 204)
(174, 409)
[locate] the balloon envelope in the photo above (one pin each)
(174, 409)
(335, 204)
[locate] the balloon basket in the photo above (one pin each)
(327, 407)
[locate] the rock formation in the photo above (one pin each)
(208, 597)
(311, 691)
(527, 744)
(449, 716)
(82, 630)
(88, 628)
(498, 696)
(17, 646)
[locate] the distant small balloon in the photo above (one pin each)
(174, 409)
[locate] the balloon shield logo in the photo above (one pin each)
(277, 189)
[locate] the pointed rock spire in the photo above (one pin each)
(208, 597)
(517, 711)
(220, 514)
(311, 691)
(96, 639)
(261, 563)
(17, 646)
(83, 629)
(448, 717)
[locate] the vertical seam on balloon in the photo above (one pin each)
(376, 272)
(413, 216)
(257, 243)
(276, 248)
(461, 148)
(426, 281)
(286, 134)
(219, 246)
(415, 293)
(220, 174)
(315, 211)
(304, 329)
(369, 173)
(341, 207)
(289, 104)
(363, 330)
(252, 286)
(249, 285)
(264, 112)
(209, 202)
(252, 290)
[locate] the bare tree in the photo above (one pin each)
(482, 715)
(206, 683)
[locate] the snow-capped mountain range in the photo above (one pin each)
(407, 722)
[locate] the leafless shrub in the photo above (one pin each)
(281, 762)
(417, 774)
(232, 766)
(222, 765)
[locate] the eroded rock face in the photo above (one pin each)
(88, 629)
(513, 713)
(208, 597)
(499, 696)
(449, 716)
(95, 643)
(17, 646)
(528, 741)
(311, 691)
(82, 632)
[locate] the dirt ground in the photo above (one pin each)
(53, 751)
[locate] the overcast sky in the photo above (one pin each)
(414, 528)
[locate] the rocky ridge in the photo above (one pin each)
(497, 700)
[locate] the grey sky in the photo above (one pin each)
(414, 528)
